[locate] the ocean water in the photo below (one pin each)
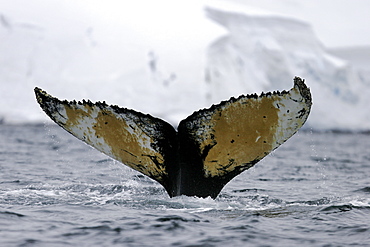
(56, 191)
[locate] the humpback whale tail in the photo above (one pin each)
(210, 147)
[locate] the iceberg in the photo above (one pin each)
(262, 51)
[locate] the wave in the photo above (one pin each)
(365, 189)
(11, 214)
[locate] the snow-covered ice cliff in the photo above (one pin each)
(263, 52)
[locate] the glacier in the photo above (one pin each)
(170, 62)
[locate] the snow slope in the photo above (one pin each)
(168, 58)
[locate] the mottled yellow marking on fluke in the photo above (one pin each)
(128, 144)
(73, 120)
(243, 132)
(111, 134)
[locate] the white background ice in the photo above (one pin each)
(158, 56)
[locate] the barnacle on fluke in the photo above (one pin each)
(209, 148)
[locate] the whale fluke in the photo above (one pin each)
(209, 148)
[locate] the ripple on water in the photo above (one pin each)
(55, 191)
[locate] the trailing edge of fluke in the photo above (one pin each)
(209, 148)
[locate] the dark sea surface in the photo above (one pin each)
(56, 191)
